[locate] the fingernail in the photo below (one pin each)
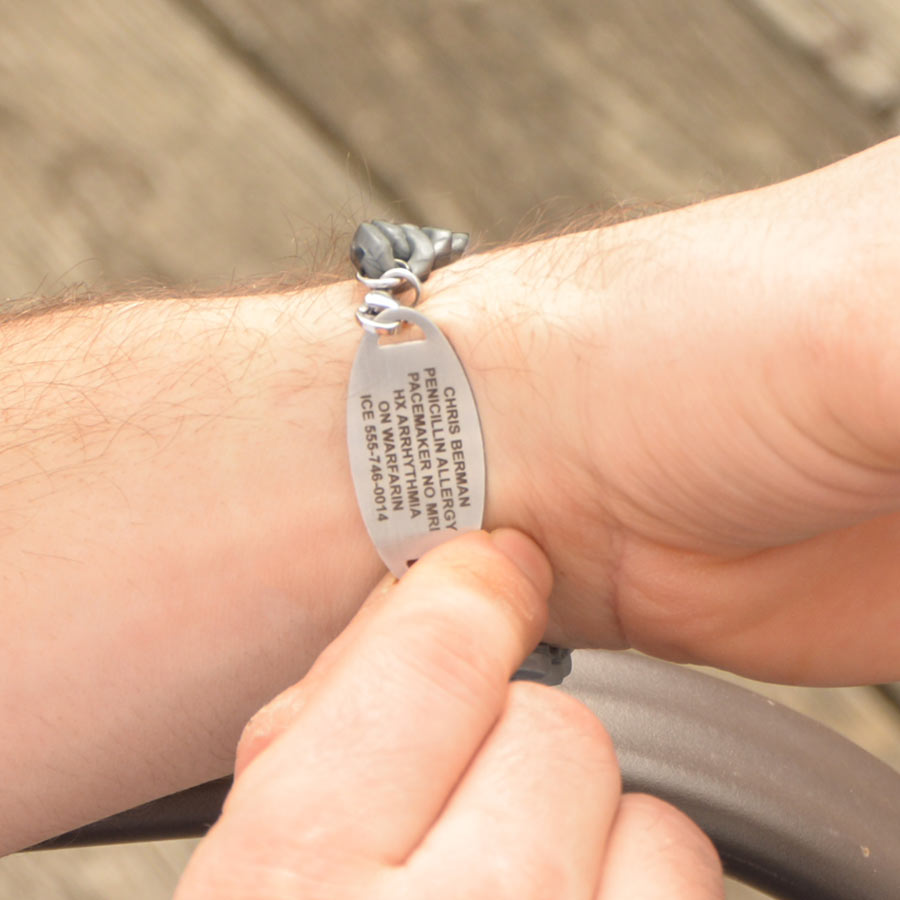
(528, 558)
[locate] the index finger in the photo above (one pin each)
(389, 724)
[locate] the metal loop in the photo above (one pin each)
(379, 284)
(397, 279)
(408, 276)
(376, 302)
(379, 300)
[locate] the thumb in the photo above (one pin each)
(277, 716)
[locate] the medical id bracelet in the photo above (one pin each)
(413, 431)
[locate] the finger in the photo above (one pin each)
(395, 716)
(823, 611)
(655, 852)
(531, 816)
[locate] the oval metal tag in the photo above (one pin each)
(416, 450)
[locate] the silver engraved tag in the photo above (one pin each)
(414, 436)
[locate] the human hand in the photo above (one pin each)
(405, 764)
(695, 414)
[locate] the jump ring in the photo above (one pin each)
(375, 303)
(396, 279)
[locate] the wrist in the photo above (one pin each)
(527, 322)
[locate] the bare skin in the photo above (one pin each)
(694, 415)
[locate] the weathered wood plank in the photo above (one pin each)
(856, 44)
(129, 872)
(133, 146)
(479, 111)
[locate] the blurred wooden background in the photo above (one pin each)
(202, 142)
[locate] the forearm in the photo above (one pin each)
(179, 539)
